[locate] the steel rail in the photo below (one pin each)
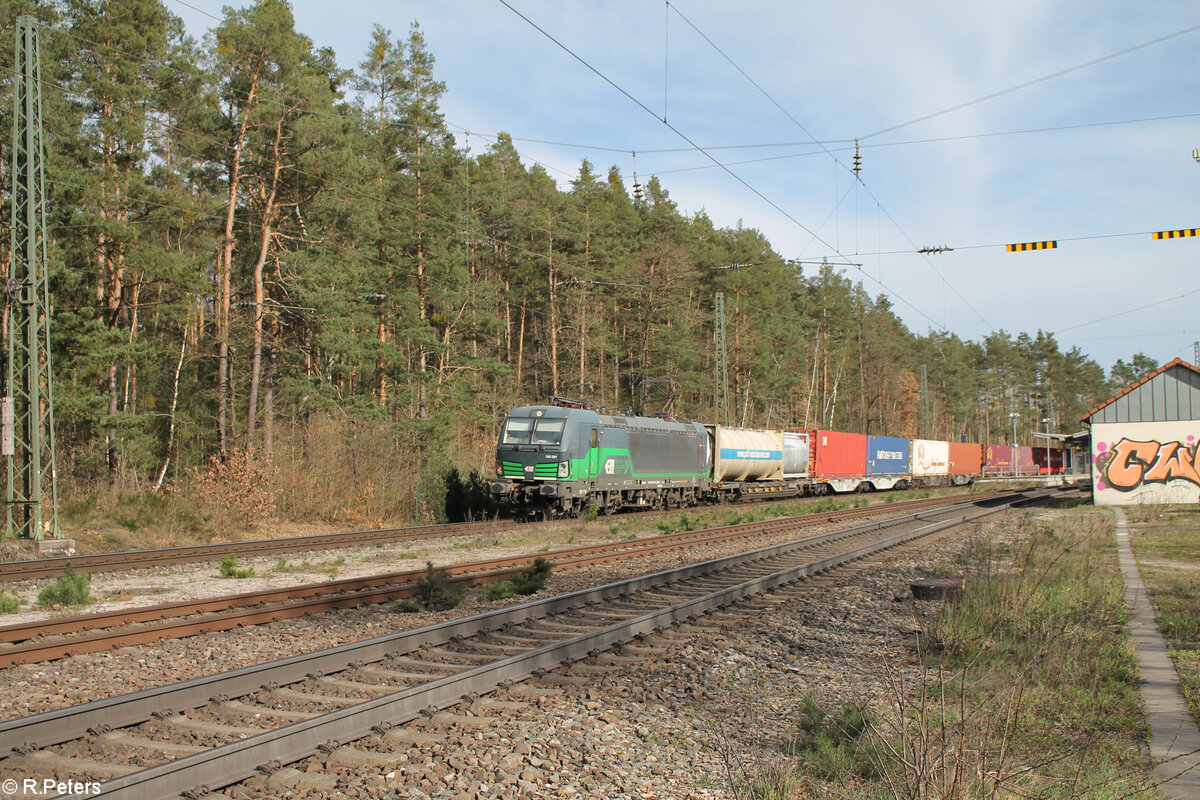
(32, 569)
(53, 727)
(197, 775)
(252, 608)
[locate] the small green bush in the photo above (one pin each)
(407, 606)
(532, 578)
(229, 569)
(69, 590)
(834, 744)
(498, 590)
(9, 603)
(434, 592)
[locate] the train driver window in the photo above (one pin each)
(594, 433)
(548, 431)
(516, 431)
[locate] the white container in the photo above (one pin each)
(930, 458)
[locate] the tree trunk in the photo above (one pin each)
(270, 215)
(162, 473)
(225, 273)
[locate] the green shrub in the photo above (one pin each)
(229, 569)
(9, 603)
(407, 606)
(498, 590)
(434, 592)
(532, 578)
(833, 744)
(69, 590)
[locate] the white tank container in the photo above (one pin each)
(795, 455)
(741, 454)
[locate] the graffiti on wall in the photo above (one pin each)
(1130, 464)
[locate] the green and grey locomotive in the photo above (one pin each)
(554, 461)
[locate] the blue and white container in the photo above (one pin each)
(741, 454)
(888, 461)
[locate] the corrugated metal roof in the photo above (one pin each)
(1170, 393)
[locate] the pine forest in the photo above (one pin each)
(286, 284)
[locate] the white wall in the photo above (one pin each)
(1145, 462)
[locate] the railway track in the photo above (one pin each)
(39, 568)
(33, 569)
(59, 638)
(210, 732)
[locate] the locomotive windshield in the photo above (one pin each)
(522, 430)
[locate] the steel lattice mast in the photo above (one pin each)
(722, 379)
(28, 408)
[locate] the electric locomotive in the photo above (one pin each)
(560, 460)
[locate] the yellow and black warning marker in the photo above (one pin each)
(1017, 248)
(1176, 234)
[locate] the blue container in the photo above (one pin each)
(887, 455)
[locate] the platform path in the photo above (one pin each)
(1174, 737)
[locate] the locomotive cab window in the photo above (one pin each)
(516, 431)
(548, 431)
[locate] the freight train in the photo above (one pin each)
(561, 460)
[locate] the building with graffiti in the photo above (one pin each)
(1145, 438)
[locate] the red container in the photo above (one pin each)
(998, 459)
(839, 455)
(1025, 463)
(966, 459)
(1055, 464)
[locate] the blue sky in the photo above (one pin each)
(1043, 161)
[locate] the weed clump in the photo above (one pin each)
(834, 744)
(69, 590)
(229, 568)
(407, 606)
(498, 590)
(532, 578)
(433, 591)
(9, 603)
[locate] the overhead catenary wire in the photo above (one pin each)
(1060, 73)
(717, 162)
(855, 170)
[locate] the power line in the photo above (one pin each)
(855, 171)
(1128, 311)
(673, 129)
(1035, 81)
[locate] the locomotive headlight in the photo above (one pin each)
(564, 469)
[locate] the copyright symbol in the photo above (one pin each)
(9, 786)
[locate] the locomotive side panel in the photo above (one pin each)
(657, 450)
